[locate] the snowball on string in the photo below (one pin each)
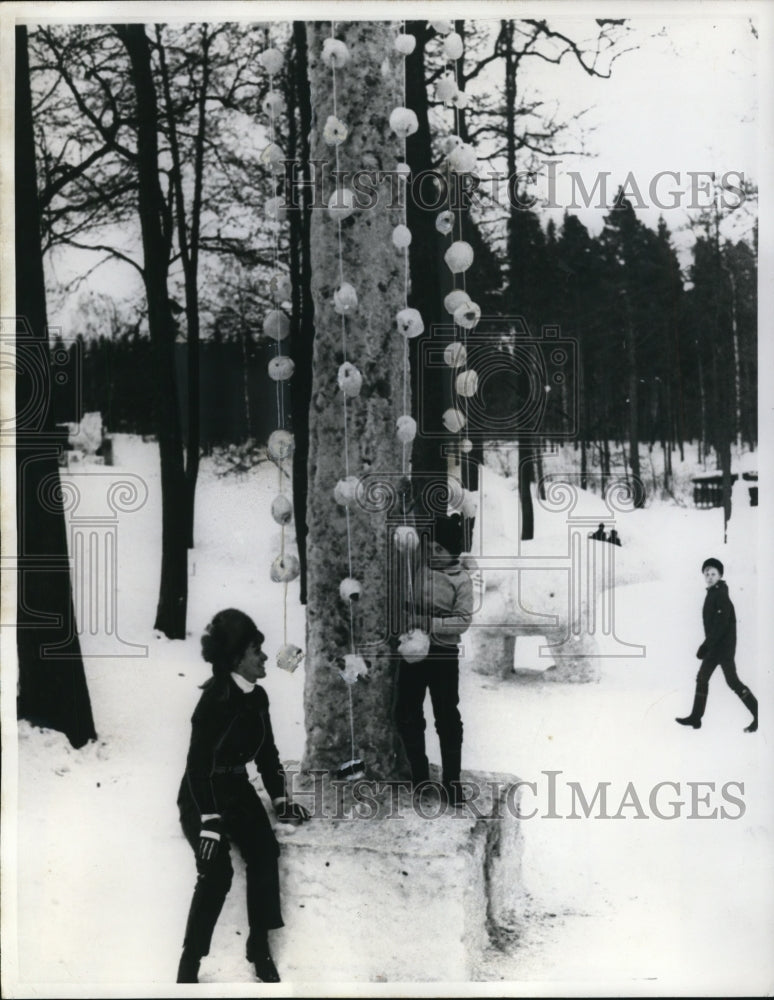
(405, 44)
(406, 538)
(354, 666)
(469, 505)
(281, 368)
(285, 568)
(345, 490)
(467, 383)
(449, 143)
(454, 300)
(452, 45)
(273, 104)
(467, 315)
(446, 88)
(453, 420)
(350, 380)
(276, 325)
(441, 27)
(345, 299)
(414, 645)
(460, 100)
(335, 53)
(349, 589)
(280, 445)
(403, 170)
(401, 237)
(444, 222)
(466, 446)
(409, 322)
(406, 429)
(459, 256)
(276, 209)
(341, 204)
(289, 657)
(403, 122)
(335, 131)
(280, 287)
(271, 60)
(281, 509)
(455, 355)
(463, 159)
(273, 157)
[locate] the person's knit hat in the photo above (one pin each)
(227, 637)
(447, 531)
(714, 564)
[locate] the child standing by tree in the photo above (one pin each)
(443, 607)
(718, 647)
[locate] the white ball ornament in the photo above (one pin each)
(406, 538)
(467, 383)
(280, 445)
(285, 568)
(454, 300)
(276, 325)
(335, 131)
(455, 355)
(450, 142)
(341, 204)
(350, 380)
(446, 88)
(335, 53)
(452, 45)
(345, 299)
(469, 505)
(401, 237)
(414, 645)
(276, 209)
(273, 104)
(444, 222)
(345, 490)
(280, 287)
(467, 315)
(409, 322)
(466, 446)
(405, 44)
(406, 429)
(289, 657)
(441, 27)
(271, 60)
(272, 157)
(459, 256)
(281, 509)
(281, 368)
(349, 589)
(403, 170)
(354, 666)
(463, 159)
(460, 100)
(403, 122)
(453, 420)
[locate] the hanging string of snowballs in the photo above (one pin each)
(461, 159)
(276, 325)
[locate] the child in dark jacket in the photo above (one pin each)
(443, 606)
(719, 647)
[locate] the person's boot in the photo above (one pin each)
(258, 953)
(694, 719)
(750, 702)
(454, 794)
(188, 970)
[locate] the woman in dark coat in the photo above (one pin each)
(231, 727)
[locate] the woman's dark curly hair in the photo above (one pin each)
(225, 640)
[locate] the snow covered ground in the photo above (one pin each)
(634, 905)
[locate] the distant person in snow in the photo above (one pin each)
(718, 647)
(443, 607)
(614, 538)
(599, 535)
(231, 727)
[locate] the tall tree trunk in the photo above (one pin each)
(371, 265)
(52, 689)
(173, 590)
(633, 386)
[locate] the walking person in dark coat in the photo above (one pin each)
(718, 648)
(231, 727)
(599, 535)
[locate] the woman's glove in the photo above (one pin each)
(290, 812)
(209, 839)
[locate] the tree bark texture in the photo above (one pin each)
(375, 268)
(52, 683)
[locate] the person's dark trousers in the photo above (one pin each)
(728, 666)
(246, 825)
(440, 673)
